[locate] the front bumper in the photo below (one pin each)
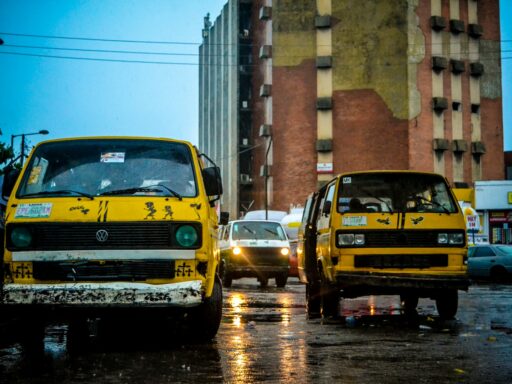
(371, 283)
(183, 294)
(257, 270)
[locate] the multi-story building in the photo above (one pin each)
(295, 91)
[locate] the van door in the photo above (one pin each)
(323, 223)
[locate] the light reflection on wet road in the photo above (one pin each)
(265, 337)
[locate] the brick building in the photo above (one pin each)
(293, 92)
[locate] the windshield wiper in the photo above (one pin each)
(59, 192)
(150, 188)
(271, 231)
(431, 202)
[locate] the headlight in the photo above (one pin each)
(237, 251)
(21, 237)
(285, 251)
(351, 239)
(451, 238)
(186, 236)
(359, 239)
(456, 238)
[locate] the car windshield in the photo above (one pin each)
(257, 230)
(109, 167)
(505, 249)
(394, 192)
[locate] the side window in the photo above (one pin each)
(324, 216)
(483, 252)
(225, 235)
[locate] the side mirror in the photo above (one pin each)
(224, 218)
(212, 181)
(327, 208)
(10, 177)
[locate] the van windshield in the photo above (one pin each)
(394, 192)
(109, 167)
(257, 230)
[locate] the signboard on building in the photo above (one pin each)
(324, 168)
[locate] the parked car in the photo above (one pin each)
(254, 248)
(492, 261)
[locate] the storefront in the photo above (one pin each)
(493, 199)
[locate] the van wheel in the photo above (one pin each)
(206, 318)
(446, 304)
(313, 300)
(409, 303)
(281, 280)
(32, 336)
(329, 299)
(227, 279)
(263, 281)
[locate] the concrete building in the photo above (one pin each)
(331, 86)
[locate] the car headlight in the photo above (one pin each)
(351, 239)
(285, 251)
(442, 238)
(186, 236)
(237, 251)
(21, 237)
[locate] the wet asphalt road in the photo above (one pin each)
(265, 337)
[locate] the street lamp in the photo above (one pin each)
(22, 154)
(266, 177)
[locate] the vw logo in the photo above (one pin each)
(102, 235)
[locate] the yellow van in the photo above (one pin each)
(383, 232)
(110, 224)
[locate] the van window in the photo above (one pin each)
(258, 230)
(324, 216)
(394, 192)
(116, 166)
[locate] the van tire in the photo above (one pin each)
(32, 336)
(313, 299)
(227, 280)
(329, 298)
(207, 317)
(281, 280)
(409, 303)
(263, 281)
(447, 303)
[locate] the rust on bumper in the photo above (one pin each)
(183, 294)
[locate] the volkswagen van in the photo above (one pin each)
(383, 232)
(112, 224)
(254, 248)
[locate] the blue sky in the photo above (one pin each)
(71, 97)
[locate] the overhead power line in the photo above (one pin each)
(149, 41)
(206, 64)
(181, 54)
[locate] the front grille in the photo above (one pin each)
(400, 261)
(121, 235)
(104, 271)
(402, 238)
(262, 256)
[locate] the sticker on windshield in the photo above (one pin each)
(33, 211)
(112, 157)
(354, 221)
(34, 175)
(347, 180)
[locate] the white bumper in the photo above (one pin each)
(184, 294)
